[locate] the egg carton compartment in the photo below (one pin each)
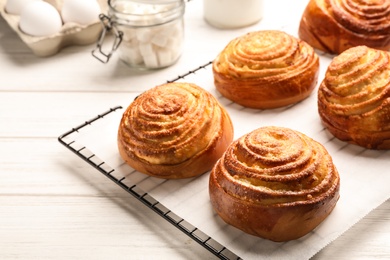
(70, 34)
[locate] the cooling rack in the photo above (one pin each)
(185, 203)
(69, 141)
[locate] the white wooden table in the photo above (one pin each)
(55, 206)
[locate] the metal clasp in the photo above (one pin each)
(108, 25)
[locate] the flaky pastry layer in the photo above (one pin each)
(266, 69)
(275, 183)
(175, 130)
(334, 26)
(354, 97)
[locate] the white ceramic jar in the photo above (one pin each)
(150, 34)
(230, 14)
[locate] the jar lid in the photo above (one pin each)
(145, 12)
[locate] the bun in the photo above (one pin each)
(266, 69)
(175, 130)
(354, 97)
(334, 26)
(274, 183)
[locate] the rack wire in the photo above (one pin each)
(187, 228)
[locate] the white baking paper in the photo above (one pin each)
(365, 174)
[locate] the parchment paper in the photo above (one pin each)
(364, 173)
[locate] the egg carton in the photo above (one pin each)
(70, 33)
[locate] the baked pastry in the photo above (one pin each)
(175, 130)
(334, 26)
(275, 183)
(266, 69)
(354, 97)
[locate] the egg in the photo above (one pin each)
(40, 18)
(16, 6)
(83, 12)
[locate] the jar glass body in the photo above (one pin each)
(153, 31)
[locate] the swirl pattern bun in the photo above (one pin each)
(175, 130)
(266, 69)
(334, 26)
(354, 97)
(275, 183)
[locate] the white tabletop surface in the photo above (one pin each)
(55, 206)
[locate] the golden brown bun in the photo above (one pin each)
(354, 97)
(175, 130)
(334, 26)
(274, 183)
(266, 69)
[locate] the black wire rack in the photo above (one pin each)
(187, 228)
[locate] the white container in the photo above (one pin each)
(230, 14)
(149, 33)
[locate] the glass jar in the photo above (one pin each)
(148, 34)
(231, 14)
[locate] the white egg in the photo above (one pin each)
(83, 12)
(40, 19)
(16, 6)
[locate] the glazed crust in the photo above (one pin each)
(354, 97)
(266, 69)
(175, 130)
(334, 26)
(274, 183)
